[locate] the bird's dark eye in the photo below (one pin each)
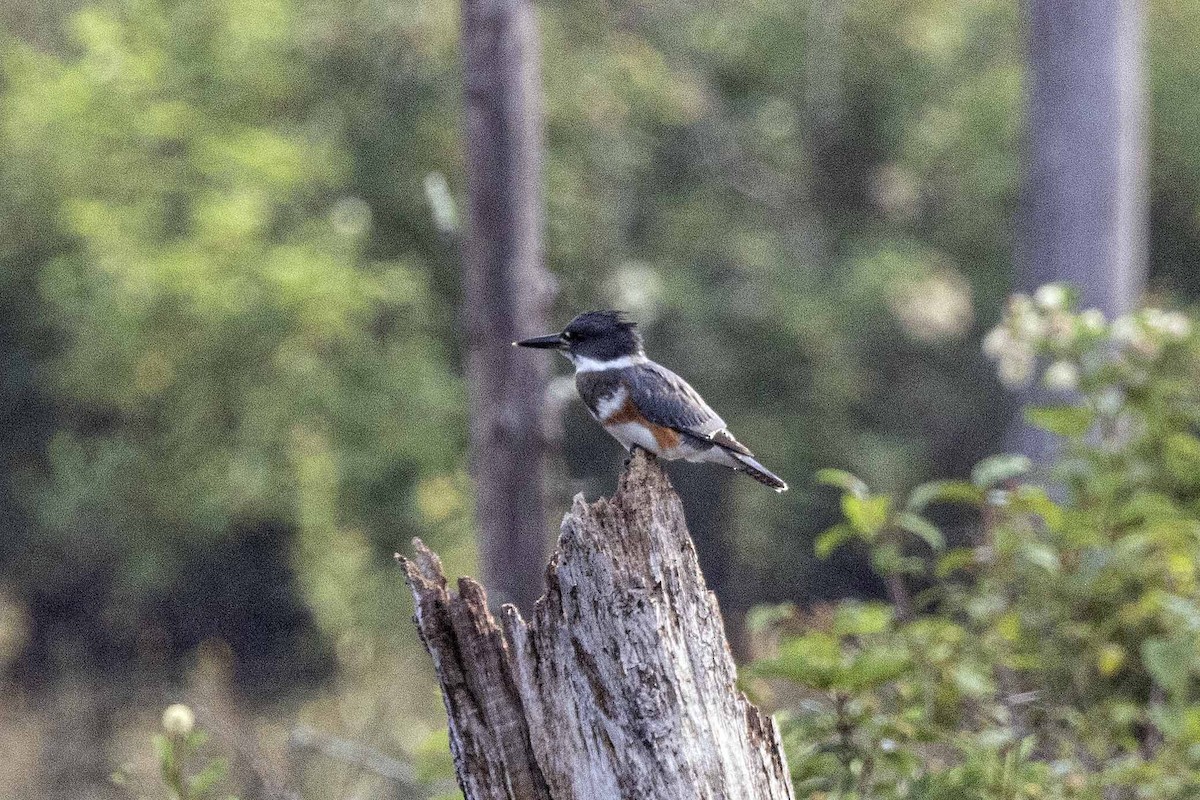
(568, 335)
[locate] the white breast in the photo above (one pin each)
(631, 433)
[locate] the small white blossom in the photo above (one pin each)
(997, 341)
(1178, 325)
(1060, 328)
(1050, 297)
(1092, 321)
(1015, 368)
(1110, 401)
(1152, 318)
(1171, 324)
(1061, 376)
(1029, 324)
(1125, 330)
(1138, 333)
(1019, 303)
(178, 720)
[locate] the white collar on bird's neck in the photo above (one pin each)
(585, 364)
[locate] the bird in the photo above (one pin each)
(641, 403)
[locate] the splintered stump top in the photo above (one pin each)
(621, 686)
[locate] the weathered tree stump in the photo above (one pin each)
(620, 686)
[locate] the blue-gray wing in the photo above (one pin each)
(666, 399)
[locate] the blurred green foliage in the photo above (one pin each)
(246, 395)
(1053, 651)
(218, 317)
(228, 324)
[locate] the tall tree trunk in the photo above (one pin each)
(507, 292)
(1084, 216)
(619, 687)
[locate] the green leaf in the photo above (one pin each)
(1185, 609)
(761, 618)
(843, 480)
(956, 559)
(832, 539)
(1041, 555)
(868, 515)
(1181, 454)
(971, 681)
(999, 468)
(1035, 500)
(926, 530)
(944, 492)
(814, 659)
(854, 618)
(1168, 661)
(887, 559)
(207, 777)
(875, 666)
(1146, 506)
(1069, 421)
(165, 749)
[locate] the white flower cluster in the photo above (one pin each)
(1031, 324)
(1046, 324)
(1013, 354)
(1145, 332)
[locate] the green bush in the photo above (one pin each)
(1051, 651)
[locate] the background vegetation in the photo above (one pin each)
(1051, 651)
(232, 366)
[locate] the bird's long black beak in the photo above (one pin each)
(552, 341)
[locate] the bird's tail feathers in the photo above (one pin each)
(751, 467)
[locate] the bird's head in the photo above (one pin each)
(597, 335)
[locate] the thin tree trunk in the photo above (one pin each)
(1084, 216)
(507, 291)
(619, 687)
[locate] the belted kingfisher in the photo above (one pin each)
(644, 404)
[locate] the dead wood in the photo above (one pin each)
(621, 684)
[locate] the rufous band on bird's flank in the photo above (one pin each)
(666, 438)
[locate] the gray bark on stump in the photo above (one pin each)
(620, 686)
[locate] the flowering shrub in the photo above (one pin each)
(1077, 345)
(1051, 649)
